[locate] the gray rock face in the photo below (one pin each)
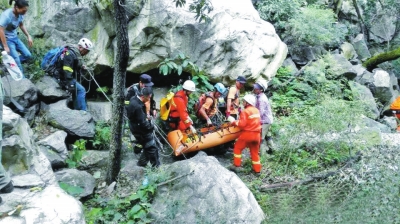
(36, 190)
(77, 178)
(47, 205)
(75, 122)
(236, 42)
(50, 90)
(363, 93)
(211, 194)
(101, 111)
(23, 91)
(360, 46)
(383, 83)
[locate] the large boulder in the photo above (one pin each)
(74, 122)
(36, 198)
(236, 41)
(73, 178)
(383, 86)
(209, 193)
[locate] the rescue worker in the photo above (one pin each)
(208, 105)
(67, 69)
(395, 107)
(232, 102)
(142, 127)
(263, 105)
(250, 124)
(178, 116)
(10, 20)
(133, 90)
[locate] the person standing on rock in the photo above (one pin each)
(263, 105)
(67, 68)
(142, 127)
(133, 91)
(250, 124)
(10, 20)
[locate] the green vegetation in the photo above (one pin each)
(79, 148)
(70, 189)
(316, 27)
(102, 136)
(278, 12)
(131, 209)
(181, 63)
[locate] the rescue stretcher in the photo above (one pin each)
(208, 137)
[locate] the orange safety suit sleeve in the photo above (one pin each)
(182, 111)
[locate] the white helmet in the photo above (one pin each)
(86, 43)
(251, 99)
(189, 85)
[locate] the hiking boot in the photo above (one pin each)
(236, 169)
(8, 188)
(270, 144)
(137, 148)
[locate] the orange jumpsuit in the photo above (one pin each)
(179, 116)
(250, 124)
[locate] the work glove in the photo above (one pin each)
(239, 110)
(230, 119)
(209, 123)
(193, 129)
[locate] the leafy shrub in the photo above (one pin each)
(314, 26)
(308, 139)
(102, 136)
(278, 12)
(132, 209)
(181, 63)
(79, 148)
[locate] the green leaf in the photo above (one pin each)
(135, 209)
(179, 70)
(134, 197)
(117, 217)
(164, 69)
(182, 56)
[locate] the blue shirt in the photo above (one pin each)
(10, 23)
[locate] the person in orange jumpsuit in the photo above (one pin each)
(179, 117)
(250, 124)
(395, 107)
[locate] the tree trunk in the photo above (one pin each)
(338, 6)
(121, 62)
(362, 24)
(373, 62)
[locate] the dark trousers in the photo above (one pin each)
(150, 150)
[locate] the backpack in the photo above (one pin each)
(165, 105)
(199, 103)
(50, 58)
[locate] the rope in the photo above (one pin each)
(101, 90)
